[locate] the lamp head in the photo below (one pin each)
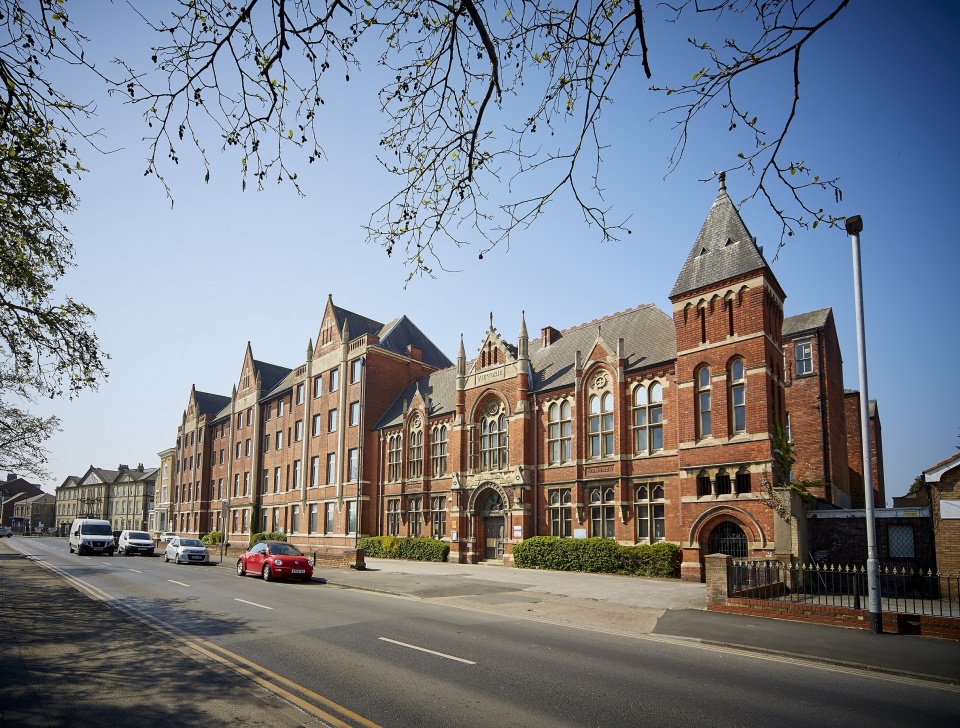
(854, 225)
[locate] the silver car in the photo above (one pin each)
(186, 551)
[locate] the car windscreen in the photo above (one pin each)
(283, 549)
(190, 542)
(96, 529)
(139, 535)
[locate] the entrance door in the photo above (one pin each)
(728, 538)
(493, 537)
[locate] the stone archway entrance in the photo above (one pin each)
(728, 538)
(492, 517)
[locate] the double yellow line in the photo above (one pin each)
(308, 701)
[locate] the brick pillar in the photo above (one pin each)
(718, 569)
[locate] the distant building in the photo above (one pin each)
(13, 490)
(124, 496)
(35, 513)
(642, 426)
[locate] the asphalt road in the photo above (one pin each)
(395, 661)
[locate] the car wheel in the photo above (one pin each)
(240, 570)
(166, 559)
(267, 574)
(176, 559)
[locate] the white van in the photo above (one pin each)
(91, 534)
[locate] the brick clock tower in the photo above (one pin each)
(728, 313)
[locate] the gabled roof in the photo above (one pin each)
(210, 404)
(401, 332)
(724, 248)
(270, 374)
(438, 388)
(649, 338)
(358, 325)
(933, 473)
(803, 322)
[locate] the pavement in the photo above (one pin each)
(84, 678)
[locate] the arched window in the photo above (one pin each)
(493, 440)
(600, 425)
(415, 464)
(439, 450)
(738, 407)
(560, 513)
(722, 482)
(558, 432)
(602, 507)
(648, 419)
(649, 508)
(704, 422)
(393, 457)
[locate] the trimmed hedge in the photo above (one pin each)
(267, 536)
(412, 549)
(597, 555)
(214, 538)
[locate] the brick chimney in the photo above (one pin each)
(549, 334)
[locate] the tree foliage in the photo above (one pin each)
(481, 97)
(47, 347)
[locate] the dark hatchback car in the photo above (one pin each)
(275, 560)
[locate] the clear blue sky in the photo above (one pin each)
(179, 292)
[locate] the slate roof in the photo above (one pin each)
(270, 374)
(401, 332)
(209, 404)
(723, 249)
(649, 339)
(802, 322)
(358, 325)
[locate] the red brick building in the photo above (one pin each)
(642, 426)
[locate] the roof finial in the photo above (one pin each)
(491, 319)
(723, 181)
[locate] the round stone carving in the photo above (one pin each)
(601, 381)
(415, 422)
(493, 406)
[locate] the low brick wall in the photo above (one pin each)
(719, 571)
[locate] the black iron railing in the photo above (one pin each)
(902, 590)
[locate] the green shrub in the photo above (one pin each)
(597, 555)
(267, 536)
(213, 538)
(412, 549)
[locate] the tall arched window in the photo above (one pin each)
(704, 421)
(415, 464)
(393, 457)
(600, 425)
(558, 432)
(602, 507)
(439, 450)
(493, 440)
(648, 418)
(738, 408)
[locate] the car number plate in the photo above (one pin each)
(297, 571)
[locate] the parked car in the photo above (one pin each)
(186, 551)
(275, 560)
(135, 542)
(165, 536)
(5, 531)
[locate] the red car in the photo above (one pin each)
(275, 560)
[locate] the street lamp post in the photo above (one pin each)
(854, 226)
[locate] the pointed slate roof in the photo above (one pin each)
(438, 388)
(358, 325)
(210, 404)
(724, 248)
(399, 333)
(270, 374)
